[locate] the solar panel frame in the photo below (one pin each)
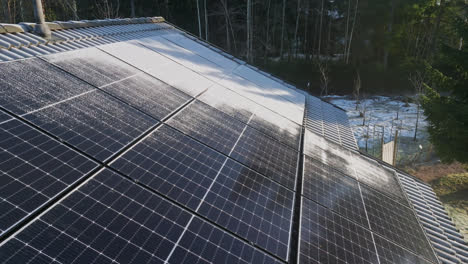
(392, 253)
(34, 169)
(172, 164)
(334, 190)
(268, 157)
(251, 206)
(392, 220)
(95, 123)
(208, 125)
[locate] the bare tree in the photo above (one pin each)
(297, 26)
(267, 39)
(352, 30)
(348, 15)
(199, 20)
(132, 8)
(282, 28)
(206, 21)
(357, 88)
(320, 28)
(417, 79)
(6, 11)
(324, 76)
(249, 18)
(107, 8)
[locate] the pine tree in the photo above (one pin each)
(446, 101)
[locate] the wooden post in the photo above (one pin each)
(395, 147)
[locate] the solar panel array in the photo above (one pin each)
(165, 150)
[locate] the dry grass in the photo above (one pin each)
(433, 172)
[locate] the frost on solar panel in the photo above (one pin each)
(390, 253)
(30, 84)
(395, 222)
(34, 169)
(107, 220)
(93, 66)
(333, 190)
(205, 243)
(4, 117)
(208, 125)
(159, 66)
(149, 95)
(172, 164)
(94, 122)
(326, 237)
(252, 206)
(363, 169)
(267, 156)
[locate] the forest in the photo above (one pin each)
(326, 46)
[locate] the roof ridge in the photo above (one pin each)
(62, 25)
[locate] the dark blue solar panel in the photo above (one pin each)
(30, 84)
(252, 206)
(326, 237)
(149, 95)
(267, 156)
(34, 168)
(395, 222)
(390, 253)
(209, 126)
(94, 123)
(93, 66)
(107, 220)
(333, 190)
(204, 243)
(172, 164)
(4, 117)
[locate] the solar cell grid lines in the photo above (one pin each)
(326, 237)
(4, 117)
(390, 253)
(393, 221)
(108, 220)
(205, 243)
(208, 125)
(94, 123)
(149, 95)
(267, 156)
(172, 164)
(34, 169)
(252, 206)
(31, 84)
(333, 190)
(92, 65)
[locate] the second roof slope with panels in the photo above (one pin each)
(215, 172)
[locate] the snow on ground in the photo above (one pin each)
(382, 111)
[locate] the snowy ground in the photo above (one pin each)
(385, 114)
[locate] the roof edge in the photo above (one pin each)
(61, 25)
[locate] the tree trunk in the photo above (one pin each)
(248, 29)
(435, 32)
(226, 20)
(166, 5)
(75, 9)
(206, 21)
(132, 8)
(282, 28)
(305, 28)
(348, 15)
(320, 28)
(267, 32)
(389, 32)
(6, 11)
(352, 30)
(329, 35)
(199, 20)
(297, 26)
(21, 10)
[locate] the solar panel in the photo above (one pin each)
(205, 243)
(252, 206)
(390, 253)
(267, 156)
(30, 84)
(333, 190)
(395, 222)
(108, 220)
(4, 117)
(363, 169)
(172, 164)
(34, 169)
(94, 123)
(149, 95)
(159, 66)
(326, 237)
(209, 126)
(93, 66)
